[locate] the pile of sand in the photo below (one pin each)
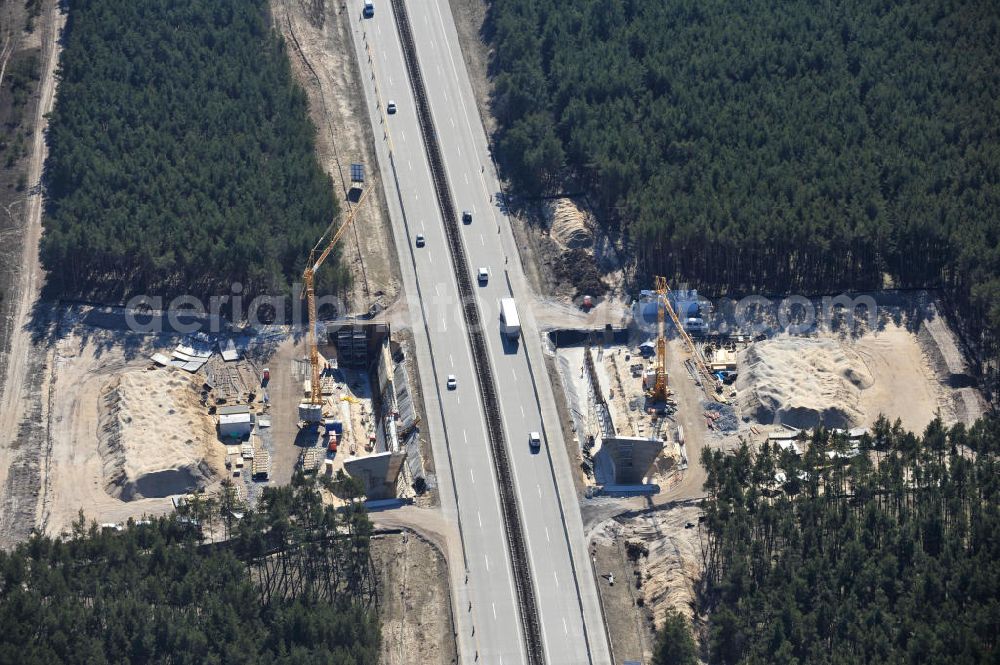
(155, 439)
(803, 381)
(569, 226)
(672, 562)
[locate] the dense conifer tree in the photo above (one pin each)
(887, 556)
(759, 146)
(180, 154)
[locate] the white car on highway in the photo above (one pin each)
(452, 382)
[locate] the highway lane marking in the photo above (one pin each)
(565, 629)
(555, 576)
(458, 400)
(452, 359)
(378, 28)
(437, 291)
(444, 323)
(472, 475)
(440, 73)
(539, 490)
(390, 80)
(459, 150)
(401, 132)
(494, 610)
(488, 567)
(410, 164)
(465, 436)
(522, 412)
(514, 372)
(480, 519)
(452, 121)
(466, 178)
(482, 240)
(454, 70)
(547, 535)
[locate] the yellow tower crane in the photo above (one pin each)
(313, 411)
(658, 393)
(664, 293)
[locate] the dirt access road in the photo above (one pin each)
(319, 49)
(23, 365)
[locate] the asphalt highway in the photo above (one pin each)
(488, 624)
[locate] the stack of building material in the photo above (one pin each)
(311, 459)
(261, 464)
(190, 358)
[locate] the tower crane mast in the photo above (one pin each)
(663, 293)
(658, 393)
(317, 256)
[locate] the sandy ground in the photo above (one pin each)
(850, 382)
(23, 363)
(904, 385)
(656, 576)
(446, 582)
(154, 437)
(319, 47)
(951, 368)
(554, 313)
(86, 368)
(415, 604)
(804, 381)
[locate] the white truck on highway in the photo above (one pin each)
(510, 325)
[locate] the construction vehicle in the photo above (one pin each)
(311, 411)
(663, 292)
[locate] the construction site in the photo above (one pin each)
(119, 424)
(647, 394)
(168, 414)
